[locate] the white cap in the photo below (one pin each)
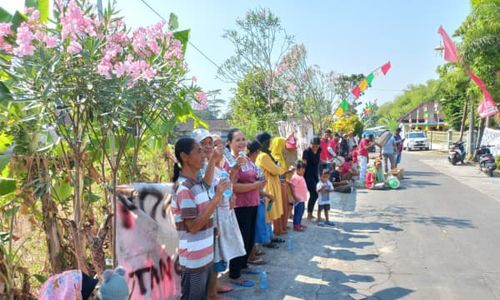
(200, 134)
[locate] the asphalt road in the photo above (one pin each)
(438, 237)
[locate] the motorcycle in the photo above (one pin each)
(486, 160)
(456, 153)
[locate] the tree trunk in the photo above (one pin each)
(56, 255)
(79, 247)
(480, 133)
(97, 244)
(462, 123)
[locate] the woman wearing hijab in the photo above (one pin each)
(277, 151)
(272, 171)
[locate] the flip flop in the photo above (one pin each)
(278, 240)
(259, 253)
(330, 223)
(321, 224)
(251, 271)
(224, 289)
(243, 283)
(257, 262)
(271, 246)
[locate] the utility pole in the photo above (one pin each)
(470, 137)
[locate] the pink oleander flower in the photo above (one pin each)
(74, 22)
(153, 46)
(200, 96)
(50, 41)
(74, 47)
(194, 79)
(24, 41)
(201, 100)
(4, 32)
(104, 68)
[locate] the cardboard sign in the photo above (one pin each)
(147, 242)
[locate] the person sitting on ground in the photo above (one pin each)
(324, 188)
(339, 185)
(347, 171)
(299, 192)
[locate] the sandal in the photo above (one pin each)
(224, 289)
(243, 283)
(251, 271)
(330, 223)
(278, 240)
(257, 262)
(259, 253)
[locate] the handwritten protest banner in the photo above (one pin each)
(147, 242)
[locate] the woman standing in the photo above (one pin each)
(277, 151)
(272, 172)
(246, 189)
(311, 157)
(193, 211)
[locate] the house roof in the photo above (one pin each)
(213, 125)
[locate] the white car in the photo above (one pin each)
(416, 140)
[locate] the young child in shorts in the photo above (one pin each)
(324, 188)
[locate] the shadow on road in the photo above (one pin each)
(390, 294)
(445, 222)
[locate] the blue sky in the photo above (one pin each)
(353, 36)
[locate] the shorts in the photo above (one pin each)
(220, 266)
(325, 207)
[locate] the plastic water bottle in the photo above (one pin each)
(244, 168)
(231, 161)
(263, 280)
(229, 191)
(290, 241)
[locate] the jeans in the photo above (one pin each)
(363, 162)
(389, 157)
(298, 212)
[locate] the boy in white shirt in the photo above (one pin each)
(324, 188)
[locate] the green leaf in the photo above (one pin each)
(43, 8)
(4, 92)
(62, 189)
(4, 161)
(30, 3)
(5, 142)
(18, 19)
(183, 37)
(40, 278)
(7, 186)
(173, 22)
(5, 16)
(91, 198)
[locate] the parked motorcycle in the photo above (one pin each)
(486, 160)
(456, 153)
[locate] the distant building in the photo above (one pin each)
(427, 115)
(217, 126)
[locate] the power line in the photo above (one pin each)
(190, 43)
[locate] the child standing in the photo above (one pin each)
(299, 193)
(324, 188)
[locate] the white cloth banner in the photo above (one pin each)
(303, 133)
(492, 137)
(147, 242)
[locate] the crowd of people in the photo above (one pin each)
(234, 198)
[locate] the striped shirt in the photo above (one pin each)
(196, 251)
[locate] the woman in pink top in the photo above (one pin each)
(246, 189)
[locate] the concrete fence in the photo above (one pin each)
(441, 140)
